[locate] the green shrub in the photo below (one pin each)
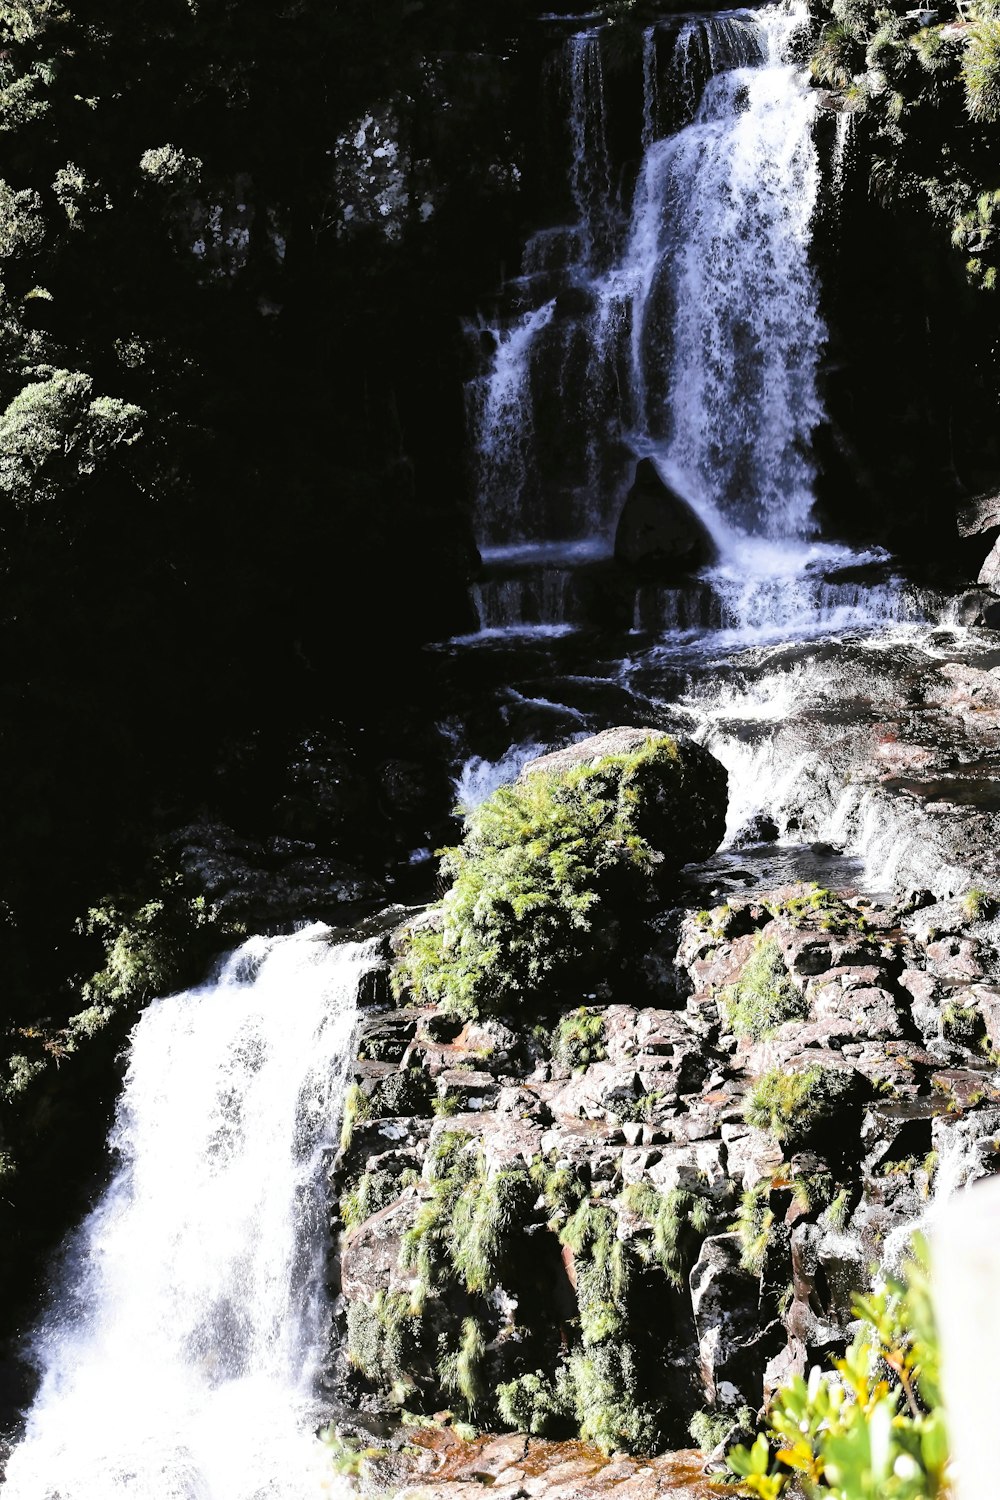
(603, 1271)
(763, 996)
(486, 1216)
(153, 948)
(539, 862)
(874, 1429)
(383, 1338)
(374, 1191)
(579, 1039)
(605, 1383)
(357, 1106)
(796, 1107)
(981, 71)
(561, 1187)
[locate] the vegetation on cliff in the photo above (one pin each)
(921, 90)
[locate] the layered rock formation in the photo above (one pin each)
(636, 1212)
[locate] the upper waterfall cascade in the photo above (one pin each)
(180, 1359)
(686, 329)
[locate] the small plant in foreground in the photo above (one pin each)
(872, 1428)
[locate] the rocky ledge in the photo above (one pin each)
(636, 1217)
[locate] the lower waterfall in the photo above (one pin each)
(180, 1359)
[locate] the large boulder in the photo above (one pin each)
(979, 516)
(682, 800)
(658, 533)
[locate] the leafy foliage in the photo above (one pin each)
(927, 97)
(874, 1429)
(679, 1221)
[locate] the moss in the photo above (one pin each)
(462, 1372)
(753, 1225)
(819, 907)
(603, 1271)
(709, 1428)
(579, 1039)
(357, 1106)
(486, 1216)
(812, 1191)
(962, 1024)
(678, 1220)
(538, 1404)
(538, 864)
(839, 1210)
(383, 1338)
(796, 1107)
(763, 996)
(374, 1191)
(402, 1092)
(608, 1412)
(642, 1108)
(560, 1186)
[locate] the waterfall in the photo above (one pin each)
(687, 329)
(180, 1359)
(726, 329)
(590, 166)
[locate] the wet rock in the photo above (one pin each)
(369, 1258)
(979, 607)
(760, 829)
(468, 1090)
(954, 958)
(724, 1304)
(871, 1012)
(659, 535)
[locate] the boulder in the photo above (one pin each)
(682, 799)
(658, 533)
(979, 607)
(979, 516)
(989, 573)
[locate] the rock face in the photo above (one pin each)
(633, 1212)
(684, 813)
(658, 533)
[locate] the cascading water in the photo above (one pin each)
(689, 332)
(180, 1360)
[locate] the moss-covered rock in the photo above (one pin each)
(555, 871)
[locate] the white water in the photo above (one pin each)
(725, 304)
(696, 342)
(180, 1361)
